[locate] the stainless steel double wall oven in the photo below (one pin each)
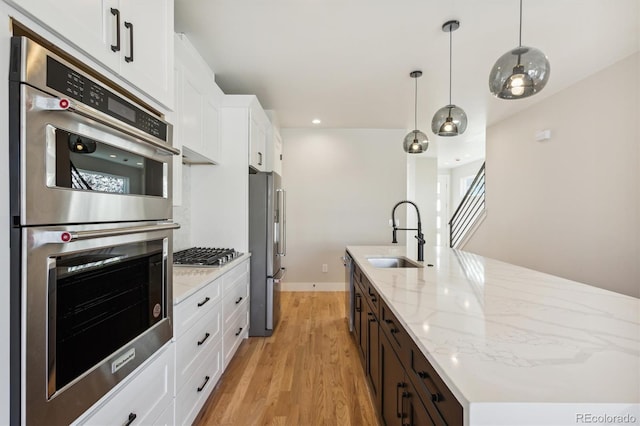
(91, 236)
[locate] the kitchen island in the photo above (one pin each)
(515, 346)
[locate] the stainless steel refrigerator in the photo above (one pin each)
(267, 244)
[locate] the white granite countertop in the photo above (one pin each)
(187, 280)
(507, 339)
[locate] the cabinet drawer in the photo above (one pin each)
(236, 275)
(198, 387)
(234, 332)
(234, 300)
(196, 343)
(194, 307)
(144, 398)
(432, 389)
(393, 329)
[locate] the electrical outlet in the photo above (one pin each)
(325, 267)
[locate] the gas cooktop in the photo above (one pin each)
(204, 256)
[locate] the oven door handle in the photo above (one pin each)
(68, 237)
(64, 104)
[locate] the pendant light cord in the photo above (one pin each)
(520, 35)
(415, 106)
(450, 55)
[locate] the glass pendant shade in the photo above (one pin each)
(519, 73)
(415, 142)
(449, 120)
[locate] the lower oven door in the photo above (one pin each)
(96, 303)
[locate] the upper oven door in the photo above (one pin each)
(75, 169)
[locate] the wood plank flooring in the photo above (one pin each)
(307, 373)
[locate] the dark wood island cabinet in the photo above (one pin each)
(405, 387)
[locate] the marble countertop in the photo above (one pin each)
(498, 333)
(187, 280)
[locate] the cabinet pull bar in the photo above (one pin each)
(206, 336)
(206, 380)
(206, 299)
(116, 47)
(130, 419)
(239, 331)
(239, 300)
(398, 387)
(129, 26)
(260, 159)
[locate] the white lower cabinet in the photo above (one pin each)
(198, 387)
(142, 400)
(209, 326)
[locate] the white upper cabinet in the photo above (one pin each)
(256, 130)
(274, 144)
(276, 158)
(198, 101)
(258, 139)
(133, 38)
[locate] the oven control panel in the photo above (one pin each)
(81, 88)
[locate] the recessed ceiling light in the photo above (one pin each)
(316, 121)
(112, 155)
(139, 164)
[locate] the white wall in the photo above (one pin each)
(570, 206)
(422, 180)
(341, 186)
(211, 224)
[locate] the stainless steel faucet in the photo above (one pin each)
(419, 237)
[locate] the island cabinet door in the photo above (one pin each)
(373, 352)
(415, 413)
(392, 385)
(400, 404)
(358, 321)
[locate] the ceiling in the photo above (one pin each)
(347, 62)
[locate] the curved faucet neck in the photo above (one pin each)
(393, 212)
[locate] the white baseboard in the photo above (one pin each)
(310, 286)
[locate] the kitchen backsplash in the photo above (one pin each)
(182, 214)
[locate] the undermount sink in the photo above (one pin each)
(393, 262)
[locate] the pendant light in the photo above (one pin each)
(449, 120)
(415, 142)
(519, 73)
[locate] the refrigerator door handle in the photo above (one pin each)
(282, 218)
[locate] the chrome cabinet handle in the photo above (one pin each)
(129, 26)
(116, 47)
(259, 159)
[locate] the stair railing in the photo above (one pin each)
(468, 211)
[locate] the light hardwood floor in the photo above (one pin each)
(307, 373)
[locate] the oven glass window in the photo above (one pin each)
(89, 165)
(98, 302)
